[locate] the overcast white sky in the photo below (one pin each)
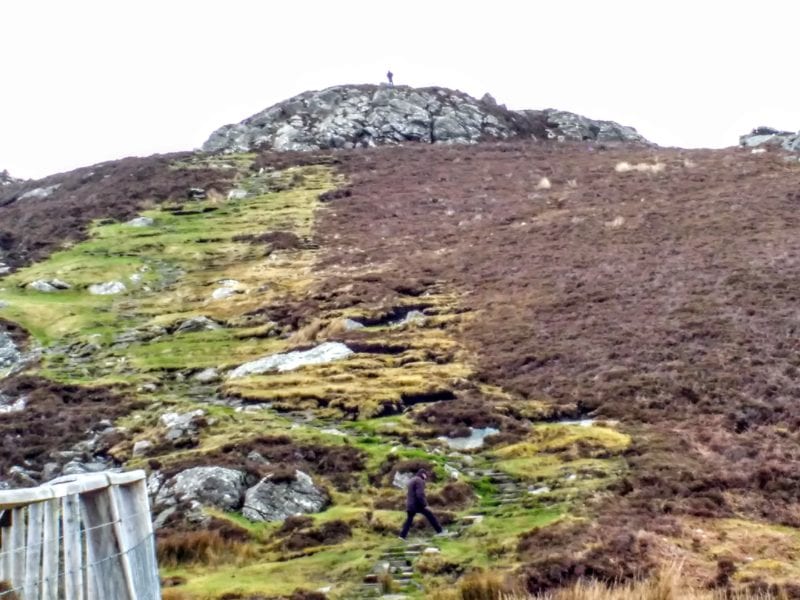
(87, 81)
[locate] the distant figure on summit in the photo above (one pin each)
(417, 503)
(390, 77)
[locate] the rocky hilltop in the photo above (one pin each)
(594, 352)
(350, 116)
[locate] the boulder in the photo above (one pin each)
(322, 354)
(219, 487)
(350, 116)
(275, 501)
(108, 288)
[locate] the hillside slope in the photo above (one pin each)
(593, 348)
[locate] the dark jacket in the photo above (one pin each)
(416, 500)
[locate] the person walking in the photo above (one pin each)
(390, 77)
(416, 502)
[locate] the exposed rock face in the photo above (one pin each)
(219, 487)
(324, 353)
(367, 115)
(268, 501)
(562, 125)
(767, 136)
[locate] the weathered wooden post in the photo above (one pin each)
(84, 537)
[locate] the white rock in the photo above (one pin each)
(107, 289)
(228, 287)
(431, 550)
(322, 354)
(207, 375)
(40, 285)
(237, 194)
(401, 480)
(140, 222)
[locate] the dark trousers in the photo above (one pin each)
(410, 520)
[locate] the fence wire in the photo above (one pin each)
(143, 565)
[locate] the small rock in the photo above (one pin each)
(21, 476)
(40, 285)
(140, 222)
(431, 550)
(201, 323)
(257, 458)
(413, 317)
(181, 425)
(237, 194)
(452, 472)
(209, 375)
(107, 289)
(228, 288)
(401, 480)
(196, 193)
(351, 325)
(142, 447)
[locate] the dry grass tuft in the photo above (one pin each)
(199, 547)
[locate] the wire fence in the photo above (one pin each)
(88, 538)
(140, 555)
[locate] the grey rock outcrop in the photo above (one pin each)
(563, 126)
(322, 354)
(352, 116)
(219, 487)
(767, 136)
(275, 501)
